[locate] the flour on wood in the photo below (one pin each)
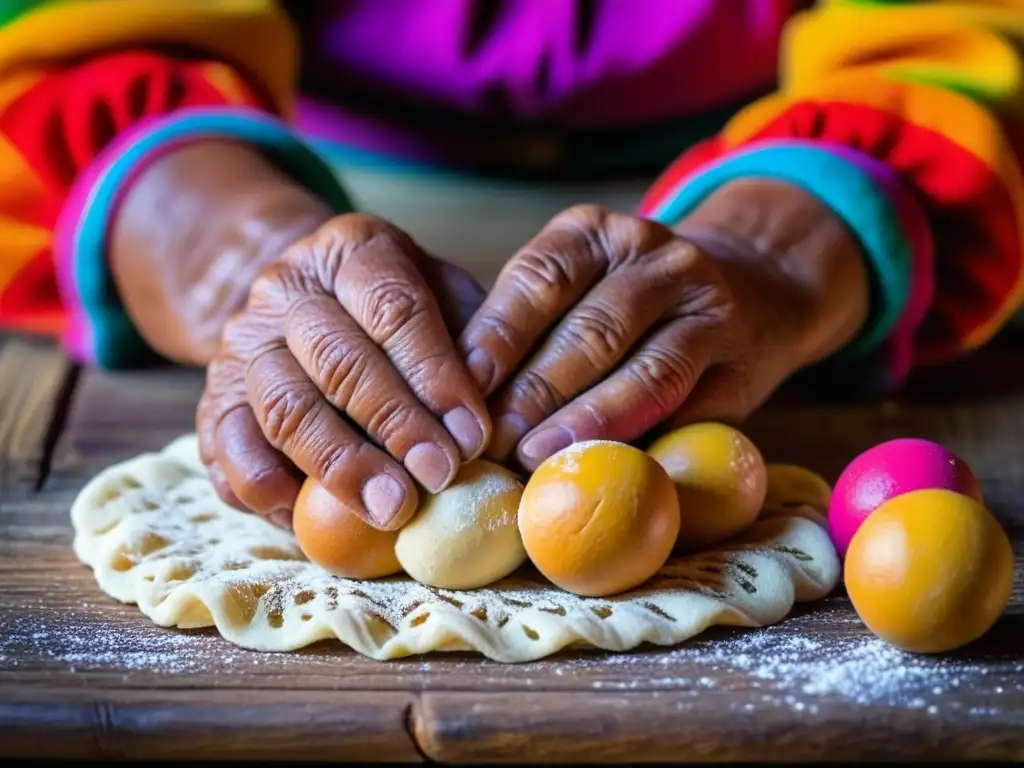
(156, 535)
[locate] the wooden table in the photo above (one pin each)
(81, 676)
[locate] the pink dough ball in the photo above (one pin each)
(891, 469)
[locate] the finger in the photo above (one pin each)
(223, 488)
(259, 476)
(246, 471)
(383, 291)
(650, 385)
(722, 395)
(582, 349)
(545, 279)
(296, 420)
(359, 380)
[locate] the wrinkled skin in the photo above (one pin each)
(341, 355)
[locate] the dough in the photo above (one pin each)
(720, 478)
(599, 517)
(338, 541)
(155, 534)
(466, 536)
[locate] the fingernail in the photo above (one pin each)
(481, 367)
(282, 518)
(545, 443)
(507, 433)
(465, 430)
(383, 497)
(430, 465)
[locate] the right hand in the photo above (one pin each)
(341, 367)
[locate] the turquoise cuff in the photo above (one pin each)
(849, 191)
(105, 333)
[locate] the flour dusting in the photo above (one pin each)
(761, 668)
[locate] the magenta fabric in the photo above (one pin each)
(573, 63)
(898, 350)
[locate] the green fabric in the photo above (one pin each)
(12, 9)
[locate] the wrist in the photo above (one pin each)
(192, 233)
(794, 257)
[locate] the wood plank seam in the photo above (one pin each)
(58, 422)
(413, 722)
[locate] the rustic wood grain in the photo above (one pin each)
(83, 676)
(704, 726)
(219, 725)
(34, 386)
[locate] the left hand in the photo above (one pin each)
(606, 325)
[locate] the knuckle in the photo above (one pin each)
(250, 331)
(543, 274)
(628, 239)
(341, 363)
(532, 388)
(357, 229)
(588, 215)
(284, 410)
(337, 465)
(392, 417)
(390, 307)
(427, 369)
(598, 332)
(665, 376)
(280, 283)
(683, 260)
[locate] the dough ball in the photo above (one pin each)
(796, 491)
(337, 540)
(466, 536)
(720, 478)
(886, 471)
(929, 571)
(598, 518)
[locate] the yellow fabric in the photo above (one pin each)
(253, 35)
(973, 48)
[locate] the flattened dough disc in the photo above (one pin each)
(155, 534)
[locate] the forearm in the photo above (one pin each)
(789, 242)
(193, 231)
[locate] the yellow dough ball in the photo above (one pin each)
(796, 491)
(929, 571)
(466, 536)
(719, 476)
(598, 518)
(337, 540)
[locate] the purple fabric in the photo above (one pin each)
(571, 63)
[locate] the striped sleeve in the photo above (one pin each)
(915, 110)
(90, 92)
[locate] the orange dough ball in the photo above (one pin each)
(796, 491)
(929, 571)
(720, 478)
(598, 518)
(337, 540)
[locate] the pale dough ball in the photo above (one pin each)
(467, 536)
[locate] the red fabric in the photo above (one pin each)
(977, 243)
(61, 123)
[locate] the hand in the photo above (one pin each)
(606, 325)
(342, 367)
